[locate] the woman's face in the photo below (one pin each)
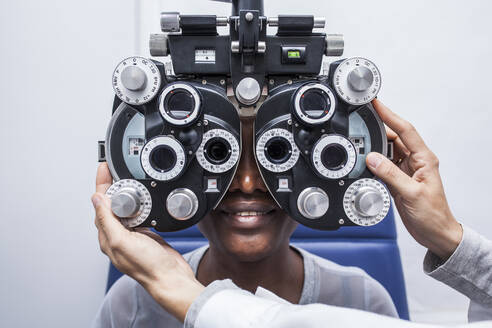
(248, 223)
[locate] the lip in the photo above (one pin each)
(247, 212)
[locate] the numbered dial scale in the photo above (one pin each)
(136, 80)
(357, 80)
(366, 202)
(130, 201)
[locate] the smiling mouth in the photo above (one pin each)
(249, 219)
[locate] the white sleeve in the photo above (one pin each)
(222, 305)
(469, 271)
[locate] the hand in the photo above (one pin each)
(144, 255)
(416, 186)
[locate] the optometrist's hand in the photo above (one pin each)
(416, 186)
(143, 255)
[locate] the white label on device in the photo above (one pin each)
(205, 56)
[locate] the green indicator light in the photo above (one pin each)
(293, 54)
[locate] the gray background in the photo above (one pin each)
(56, 62)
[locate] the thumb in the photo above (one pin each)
(388, 172)
(106, 221)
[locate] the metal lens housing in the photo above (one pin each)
(219, 151)
(314, 103)
(334, 156)
(276, 150)
(179, 104)
(163, 158)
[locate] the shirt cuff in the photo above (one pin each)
(462, 270)
(199, 302)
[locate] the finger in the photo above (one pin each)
(387, 171)
(407, 133)
(390, 133)
(103, 178)
(106, 222)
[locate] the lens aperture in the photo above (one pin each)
(162, 158)
(278, 150)
(179, 104)
(315, 103)
(217, 151)
(334, 156)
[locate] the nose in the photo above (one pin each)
(247, 178)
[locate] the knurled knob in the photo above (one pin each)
(182, 204)
(248, 91)
(313, 203)
(368, 202)
(125, 203)
(360, 78)
(133, 78)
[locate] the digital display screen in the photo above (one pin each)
(293, 54)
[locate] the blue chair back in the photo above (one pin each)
(373, 249)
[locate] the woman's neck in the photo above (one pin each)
(282, 272)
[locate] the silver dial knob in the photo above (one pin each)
(366, 202)
(357, 81)
(130, 201)
(182, 204)
(360, 78)
(136, 80)
(313, 203)
(133, 78)
(248, 91)
(125, 203)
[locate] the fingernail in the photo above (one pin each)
(374, 159)
(96, 199)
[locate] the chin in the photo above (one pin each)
(249, 247)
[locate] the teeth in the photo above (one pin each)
(251, 213)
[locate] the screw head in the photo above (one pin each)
(289, 121)
(297, 125)
(204, 81)
(190, 152)
(341, 182)
(289, 82)
(341, 221)
(222, 82)
(272, 81)
(153, 223)
(205, 122)
(249, 16)
(323, 130)
(306, 152)
(153, 184)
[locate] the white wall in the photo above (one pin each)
(56, 61)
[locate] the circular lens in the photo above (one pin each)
(334, 156)
(217, 150)
(315, 103)
(278, 150)
(162, 158)
(179, 104)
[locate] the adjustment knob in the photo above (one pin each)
(125, 203)
(248, 91)
(133, 78)
(130, 201)
(182, 204)
(136, 80)
(313, 203)
(357, 81)
(334, 45)
(366, 202)
(360, 78)
(158, 45)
